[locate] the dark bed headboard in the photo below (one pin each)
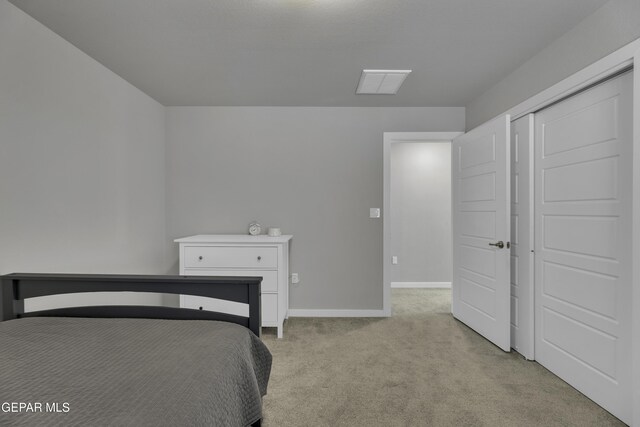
(17, 287)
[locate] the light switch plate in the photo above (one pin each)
(374, 213)
(394, 260)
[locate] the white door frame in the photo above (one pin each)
(390, 138)
(623, 58)
(635, 239)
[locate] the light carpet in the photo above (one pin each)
(420, 367)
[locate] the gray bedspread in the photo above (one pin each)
(130, 372)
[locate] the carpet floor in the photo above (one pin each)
(420, 367)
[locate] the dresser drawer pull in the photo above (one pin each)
(259, 258)
(200, 258)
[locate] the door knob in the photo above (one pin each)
(499, 244)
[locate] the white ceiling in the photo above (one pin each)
(309, 52)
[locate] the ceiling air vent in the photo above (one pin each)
(381, 82)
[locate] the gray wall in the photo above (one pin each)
(609, 28)
(314, 172)
(81, 160)
(421, 211)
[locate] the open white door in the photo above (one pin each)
(482, 230)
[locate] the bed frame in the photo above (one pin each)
(17, 287)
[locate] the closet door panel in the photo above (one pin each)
(522, 236)
(583, 242)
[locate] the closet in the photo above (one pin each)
(542, 221)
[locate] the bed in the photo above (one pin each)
(130, 365)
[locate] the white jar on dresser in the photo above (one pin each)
(240, 255)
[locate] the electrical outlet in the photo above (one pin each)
(394, 260)
(295, 278)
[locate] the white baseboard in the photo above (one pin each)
(302, 312)
(426, 285)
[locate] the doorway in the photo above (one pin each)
(417, 245)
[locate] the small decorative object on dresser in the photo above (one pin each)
(255, 228)
(240, 255)
(274, 232)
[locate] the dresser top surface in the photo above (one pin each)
(233, 238)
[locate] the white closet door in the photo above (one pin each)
(481, 224)
(583, 242)
(522, 236)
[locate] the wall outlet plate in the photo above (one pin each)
(374, 212)
(295, 278)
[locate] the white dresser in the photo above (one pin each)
(240, 255)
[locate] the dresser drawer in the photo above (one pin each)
(269, 307)
(269, 277)
(230, 257)
(213, 304)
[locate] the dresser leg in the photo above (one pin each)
(280, 330)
